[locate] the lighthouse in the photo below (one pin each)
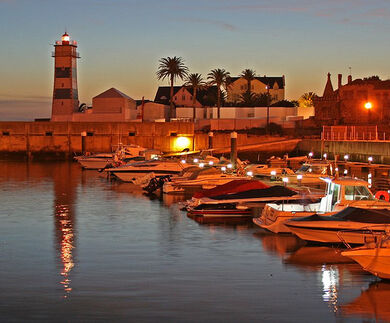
(65, 93)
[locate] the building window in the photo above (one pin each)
(5, 133)
(89, 134)
(49, 133)
(131, 134)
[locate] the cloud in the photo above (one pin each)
(223, 25)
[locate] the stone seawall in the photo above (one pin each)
(356, 150)
(63, 139)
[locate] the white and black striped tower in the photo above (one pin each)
(65, 93)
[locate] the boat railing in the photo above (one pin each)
(377, 236)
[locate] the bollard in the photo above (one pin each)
(83, 142)
(233, 148)
(211, 134)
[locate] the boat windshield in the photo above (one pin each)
(357, 193)
(314, 169)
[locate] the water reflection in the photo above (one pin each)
(333, 269)
(330, 281)
(64, 220)
(372, 303)
(280, 244)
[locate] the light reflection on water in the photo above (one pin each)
(120, 255)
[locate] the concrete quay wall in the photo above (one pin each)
(356, 150)
(63, 139)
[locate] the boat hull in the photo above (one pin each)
(274, 220)
(373, 260)
(336, 232)
(90, 163)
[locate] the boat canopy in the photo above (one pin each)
(273, 191)
(353, 214)
(232, 187)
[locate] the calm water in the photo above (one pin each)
(74, 247)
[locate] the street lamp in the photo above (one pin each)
(368, 106)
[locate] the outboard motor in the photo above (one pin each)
(156, 183)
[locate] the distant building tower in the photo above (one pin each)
(65, 94)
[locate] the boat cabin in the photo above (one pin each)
(342, 191)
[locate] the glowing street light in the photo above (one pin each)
(346, 157)
(368, 106)
(325, 156)
(370, 159)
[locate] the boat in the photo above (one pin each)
(271, 173)
(235, 186)
(201, 178)
(374, 257)
(123, 154)
(236, 204)
(339, 194)
(312, 172)
(136, 170)
(352, 225)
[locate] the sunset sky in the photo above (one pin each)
(121, 41)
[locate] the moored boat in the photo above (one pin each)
(373, 257)
(133, 171)
(339, 194)
(351, 225)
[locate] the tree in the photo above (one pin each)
(284, 103)
(220, 78)
(372, 78)
(306, 99)
(195, 81)
(171, 68)
(248, 99)
(249, 75)
(263, 99)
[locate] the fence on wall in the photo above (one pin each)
(353, 133)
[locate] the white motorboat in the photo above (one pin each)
(133, 171)
(339, 194)
(121, 155)
(351, 226)
(312, 172)
(373, 257)
(238, 205)
(203, 178)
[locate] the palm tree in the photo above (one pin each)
(195, 81)
(249, 75)
(220, 78)
(306, 100)
(171, 68)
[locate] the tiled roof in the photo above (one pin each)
(112, 93)
(267, 80)
(204, 96)
(163, 94)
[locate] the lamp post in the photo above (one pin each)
(368, 106)
(267, 129)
